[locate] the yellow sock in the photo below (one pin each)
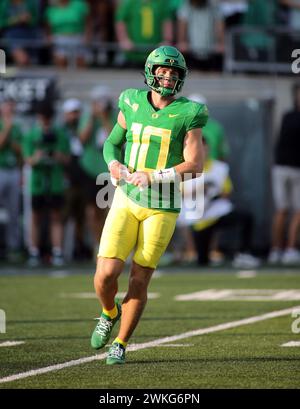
(119, 341)
(111, 313)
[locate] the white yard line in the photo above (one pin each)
(175, 345)
(291, 344)
(230, 294)
(154, 343)
(11, 343)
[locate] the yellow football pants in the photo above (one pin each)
(130, 226)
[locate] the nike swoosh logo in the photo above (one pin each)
(173, 115)
(134, 107)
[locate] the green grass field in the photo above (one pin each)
(53, 316)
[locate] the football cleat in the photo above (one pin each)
(102, 332)
(116, 354)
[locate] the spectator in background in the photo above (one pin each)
(233, 11)
(260, 15)
(286, 187)
(46, 150)
(141, 25)
(214, 135)
(18, 21)
(218, 213)
(95, 126)
(68, 31)
(288, 18)
(201, 33)
(75, 194)
(175, 5)
(10, 175)
(101, 27)
(292, 13)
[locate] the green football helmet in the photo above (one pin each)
(165, 56)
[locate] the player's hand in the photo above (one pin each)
(140, 179)
(118, 171)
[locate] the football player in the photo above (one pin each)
(163, 143)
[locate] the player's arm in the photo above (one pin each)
(112, 149)
(192, 154)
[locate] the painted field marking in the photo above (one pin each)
(291, 344)
(213, 294)
(157, 274)
(246, 274)
(151, 344)
(162, 345)
(60, 273)
(11, 343)
(92, 295)
(174, 345)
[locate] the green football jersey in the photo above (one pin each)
(154, 140)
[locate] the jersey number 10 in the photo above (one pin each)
(142, 146)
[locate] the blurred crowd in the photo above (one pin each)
(119, 32)
(53, 166)
(48, 188)
(50, 169)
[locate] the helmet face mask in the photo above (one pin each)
(165, 56)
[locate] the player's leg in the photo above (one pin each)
(117, 241)
(135, 300)
(155, 233)
(106, 280)
(106, 287)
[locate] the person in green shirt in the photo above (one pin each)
(141, 25)
(68, 30)
(75, 202)
(10, 176)
(46, 150)
(94, 128)
(18, 21)
(163, 141)
(261, 16)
